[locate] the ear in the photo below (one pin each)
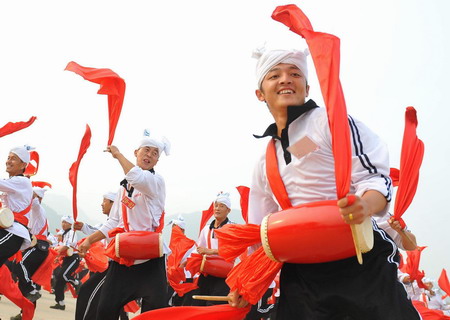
(307, 90)
(260, 95)
(135, 152)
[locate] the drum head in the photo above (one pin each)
(364, 233)
(6, 218)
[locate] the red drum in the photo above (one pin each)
(6, 218)
(216, 266)
(312, 233)
(139, 245)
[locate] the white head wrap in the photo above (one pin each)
(67, 219)
(22, 152)
(268, 59)
(179, 221)
(110, 196)
(224, 198)
(39, 191)
(161, 143)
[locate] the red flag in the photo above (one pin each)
(40, 184)
(443, 282)
(12, 127)
(73, 172)
(325, 52)
(244, 192)
(410, 162)
(110, 84)
(206, 214)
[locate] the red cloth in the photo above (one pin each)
(206, 214)
(43, 274)
(10, 290)
(132, 307)
(40, 184)
(443, 282)
(325, 52)
(73, 172)
(110, 84)
(217, 312)
(429, 314)
(412, 266)
(96, 258)
(234, 239)
(410, 162)
(193, 263)
(395, 176)
(12, 127)
(244, 192)
(31, 169)
(179, 245)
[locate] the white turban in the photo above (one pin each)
(224, 198)
(67, 219)
(39, 191)
(22, 152)
(110, 196)
(268, 59)
(179, 221)
(161, 143)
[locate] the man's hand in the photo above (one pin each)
(84, 246)
(113, 150)
(236, 300)
(203, 250)
(354, 210)
(78, 225)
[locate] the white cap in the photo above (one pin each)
(67, 219)
(161, 143)
(224, 198)
(110, 196)
(39, 191)
(268, 59)
(22, 152)
(179, 221)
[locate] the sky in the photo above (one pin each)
(190, 77)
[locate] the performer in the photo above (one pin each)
(17, 196)
(141, 201)
(403, 237)
(208, 245)
(70, 262)
(341, 289)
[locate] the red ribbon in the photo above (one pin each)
(12, 127)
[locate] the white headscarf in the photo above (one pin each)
(110, 196)
(224, 198)
(22, 152)
(67, 219)
(39, 191)
(161, 143)
(268, 59)
(179, 221)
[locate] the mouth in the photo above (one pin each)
(286, 91)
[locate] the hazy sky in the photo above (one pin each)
(190, 77)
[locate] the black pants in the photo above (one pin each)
(124, 284)
(65, 274)
(345, 289)
(210, 286)
(9, 245)
(88, 297)
(261, 310)
(31, 260)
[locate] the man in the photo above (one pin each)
(70, 262)
(141, 201)
(16, 195)
(208, 245)
(340, 289)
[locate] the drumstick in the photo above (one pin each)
(212, 298)
(350, 200)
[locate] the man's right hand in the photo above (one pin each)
(236, 300)
(84, 246)
(78, 225)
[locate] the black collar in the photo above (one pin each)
(124, 184)
(224, 222)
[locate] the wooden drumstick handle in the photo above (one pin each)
(211, 298)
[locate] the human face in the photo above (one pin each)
(146, 157)
(65, 225)
(106, 206)
(14, 166)
(221, 211)
(284, 85)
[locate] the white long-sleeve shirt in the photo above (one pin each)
(17, 195)
(38, 218)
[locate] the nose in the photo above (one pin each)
(285, 78)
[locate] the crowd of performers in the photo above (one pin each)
(226, 273)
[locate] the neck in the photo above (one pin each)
(218, 222)
(280, 116)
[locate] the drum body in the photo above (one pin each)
(139, 245)
(6, 218)
(311, 233)
(216, 266)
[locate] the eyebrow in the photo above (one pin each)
(292, 67)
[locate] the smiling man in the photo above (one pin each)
(141, 200)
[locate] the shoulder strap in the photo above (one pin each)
(273, 175)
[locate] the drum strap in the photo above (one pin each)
(41, 235)
(20, 216)
(274, 177)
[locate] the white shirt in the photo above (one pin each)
(17, 195)
(203, 237)
(312, 177)
(38, 218)
(69, 239)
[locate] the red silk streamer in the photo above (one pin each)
(428, 314)
(443, 282)
(325, 53)
(40, 184)
(234, 239)
(31, 169)
(410, 162)
(73, 172)
(244, 192)
(412, 266)
(206, 214)
(12, 127)
(217, 312)
(110, 84)
(179, 245)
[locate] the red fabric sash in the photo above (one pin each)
(41, 235)
(20, 216)
(274, 177)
